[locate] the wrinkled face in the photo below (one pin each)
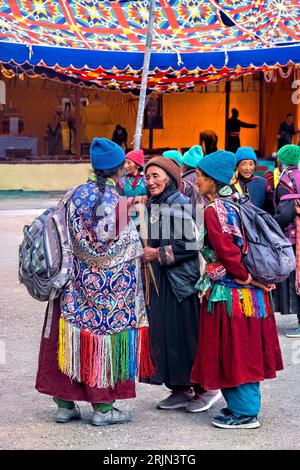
(246, 168)
(206, 184)
(131, 168)
(157, 180)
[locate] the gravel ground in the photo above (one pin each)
(26, 417)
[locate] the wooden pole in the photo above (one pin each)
(142, 99)
(77, 122)
(261, 113)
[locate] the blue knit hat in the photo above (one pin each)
(105, 154)
(174, 154)
(245, 153)
(193, 156)
(219, 165)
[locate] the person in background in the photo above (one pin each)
(120, 136)
(175, 155)
(190, 161)
(288, 292)
(238, 344)
(174, 305)
(272, 176)
(255, 187)
(233, 130)
(134, 182)
(286, 131)
(208, 141)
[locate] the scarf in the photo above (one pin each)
(161, 198)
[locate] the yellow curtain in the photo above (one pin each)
(248, 105)
(185, 115)
(277, 103)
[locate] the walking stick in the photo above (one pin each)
(148, 266)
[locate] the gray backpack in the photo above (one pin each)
(45, 257)
(269, 255)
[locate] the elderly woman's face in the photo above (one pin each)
(157, 180)
(206, 184)
(246, 168)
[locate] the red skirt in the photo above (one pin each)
(235, 351)
(51, 381)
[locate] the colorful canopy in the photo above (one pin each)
(101, 43)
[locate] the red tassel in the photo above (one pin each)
(85, 356)
(267, 304)
(147, 368)
(236, 304)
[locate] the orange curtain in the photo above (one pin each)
(277, 103)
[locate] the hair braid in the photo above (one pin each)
(101, 181)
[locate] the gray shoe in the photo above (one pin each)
(175, 400)
(113, 416)
(204, 401)
(63, 415)
(294, 333)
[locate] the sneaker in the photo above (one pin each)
(294, 333)
(65, 415)
(231, 422)
(175, 400)
(204, 401)
(225, 411)
(113, 416)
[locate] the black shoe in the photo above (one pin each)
(231, 422)
(225, 411)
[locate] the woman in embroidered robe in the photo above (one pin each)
(238, 342)
(173, 301)
(99, 322)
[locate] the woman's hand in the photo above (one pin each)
(244, 283)
(264, 287)
(150, 253)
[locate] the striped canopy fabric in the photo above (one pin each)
(101, 43)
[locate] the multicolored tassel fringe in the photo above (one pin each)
(241, 302)
(103, 360)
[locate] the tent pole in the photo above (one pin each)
(261, 113)
(142, 98)
(227, 105)
(77, 122)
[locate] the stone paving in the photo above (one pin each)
(26, 417)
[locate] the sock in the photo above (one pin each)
(69, 405)
(103, 407)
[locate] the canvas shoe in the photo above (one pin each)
(231, 422)
(176, 400)
(294, 333)
(113, 416)
(64, 415)
(204, 401)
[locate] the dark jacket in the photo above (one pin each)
(178, 254)
(285, 213)
(190, 188)
(259, 192)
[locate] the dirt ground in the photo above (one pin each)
(26, 417)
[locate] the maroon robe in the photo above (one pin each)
(232, 351)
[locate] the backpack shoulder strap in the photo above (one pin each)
(295, 195)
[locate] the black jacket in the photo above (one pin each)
(179, 253)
